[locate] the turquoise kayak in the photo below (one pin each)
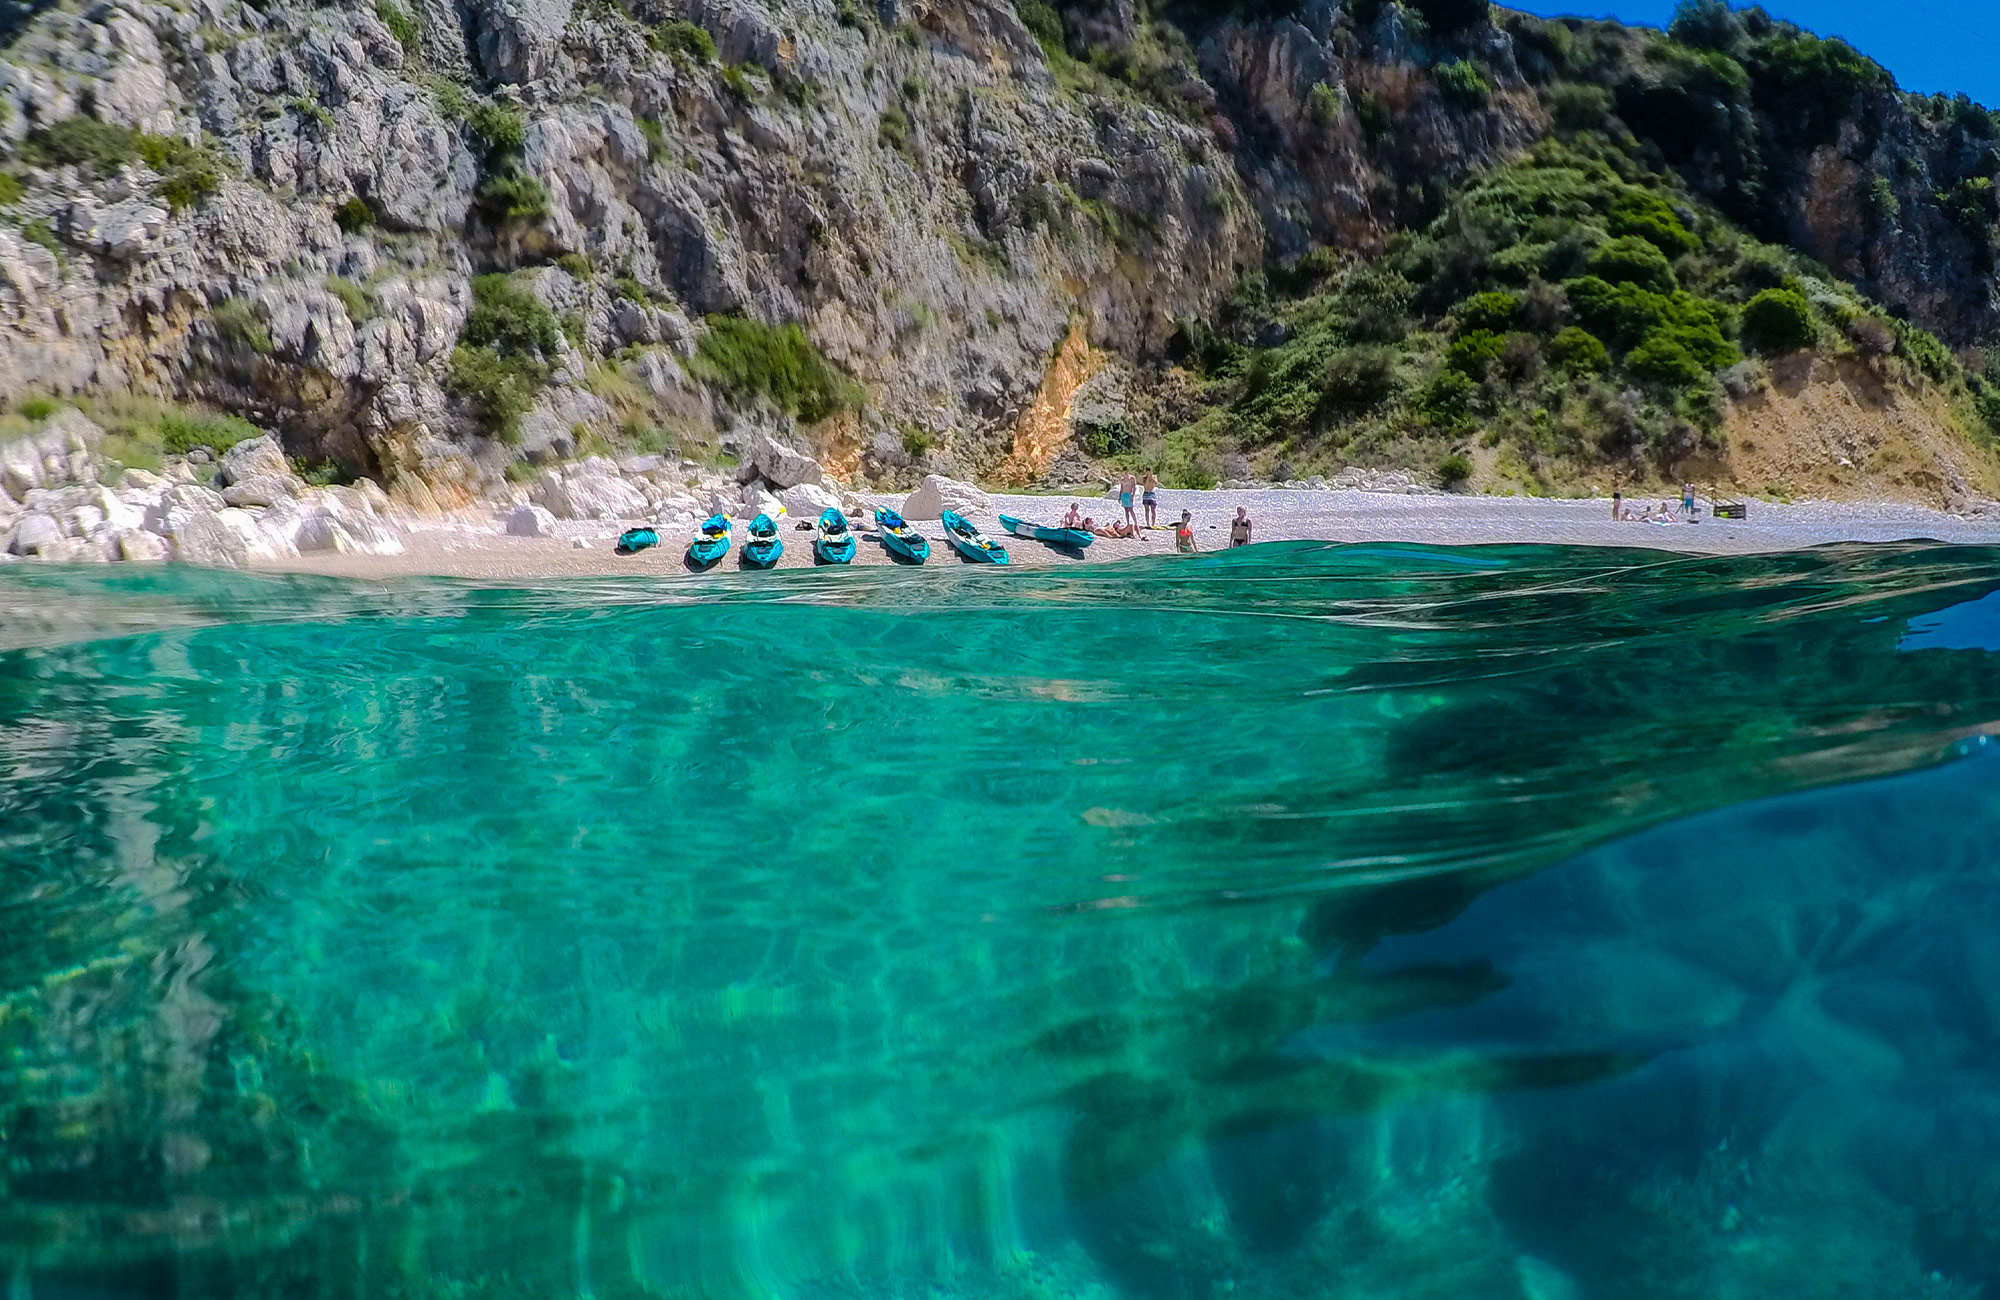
(635, 540)
(710, 544)
(833, 542)
(901, 539)
(764, 546)
(1076, 538)
(970, 542)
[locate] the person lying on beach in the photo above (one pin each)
(1113, 530)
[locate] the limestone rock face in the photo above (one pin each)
(527, 520)
(586, 495)
(255, 458)
(200, 537)
(258, 490)
(938, 494)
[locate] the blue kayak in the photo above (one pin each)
(634, 540)
(970, 542)
(900, 538)
(710, 544)
(764, 546)
(1076, 538)
(833, 542)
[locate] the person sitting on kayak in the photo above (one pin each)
(1184, 532)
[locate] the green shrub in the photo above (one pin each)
(631, 290)
(509, 320)
(1112, 438)
(750, 361)
(1881, 204)
(894, 130)
(1987, 404)
(1579, 106)
(355, 299)
(182, 431)
(1630, 260)
(1493, 310)
(499, 389)
(1323, 105)
(1453, 470)
(500, 128)
(1663, 360)
(684, 38)
(35, 408)
(513, 197)
(38, 232)
(312, 111)
(577, 266)
(1653, 219)
(1044, 24)
(11, 189)
(1462, 83)
(239, 323)
(656, 138)
(401, 25)
(1577, 351)
(1357, 380)
(354, 215)
(1778, 320)
(1475, 352)
(1372, 111)
(188, 173)
(1447, 400)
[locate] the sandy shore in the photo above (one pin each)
(479, 549)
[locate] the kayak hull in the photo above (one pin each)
(1075, 538)
(635, 540)
(763, 547)
(901, 540)
(710, 544)
(835, 541)
(969, 542)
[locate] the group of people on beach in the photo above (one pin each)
(1148, 492)
(1622, 509)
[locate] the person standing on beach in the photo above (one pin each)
(1687, 502)
(1127, 488)
(1152, 499)
(1184, 532)
(1239, 527)
(1617, 504)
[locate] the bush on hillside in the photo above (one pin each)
(1661, 359)
(751, 361)
(508, 319)
(1778, 320)
(1653, 219)
(1578, 351)
(1474, 353)
(1357, 380)
(1631, 260)
(1462, 83)
(1493, 310)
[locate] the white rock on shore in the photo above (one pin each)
(526, 520)
(938, 494)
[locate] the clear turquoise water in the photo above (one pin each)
(1304, 921)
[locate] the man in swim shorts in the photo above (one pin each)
(1152, 499)
(1127, 486)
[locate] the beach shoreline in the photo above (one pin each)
(478, 547)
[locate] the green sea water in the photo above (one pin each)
(1298, 921)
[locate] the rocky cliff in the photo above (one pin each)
(423, 240)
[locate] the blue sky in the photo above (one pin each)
(1931, 45)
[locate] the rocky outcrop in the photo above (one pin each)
(938, 494)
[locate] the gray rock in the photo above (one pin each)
(140, 547)
(778, 464)
(588, 496)
(258, 490)
(202, 538)
(527, 520)
(34, 534)
(260, 457)
(937, 494)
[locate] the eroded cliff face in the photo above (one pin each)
(933, 195)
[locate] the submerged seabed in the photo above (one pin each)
(1305, 921)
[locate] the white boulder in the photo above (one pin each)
(526, 520)
(259, 542)
(938, 494)
(588, 496)
(807, 500)
(777, 464)
(254, 458)
(758, 500)
(258, 490)
(137, 546)
(34, 534)
(201, 538)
